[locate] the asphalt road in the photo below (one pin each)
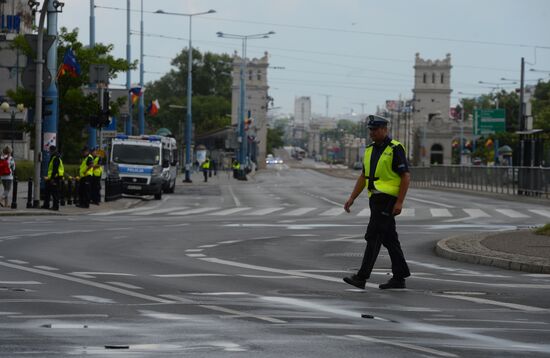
(254, 269)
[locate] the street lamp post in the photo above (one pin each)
(242, 109)
(189, 91)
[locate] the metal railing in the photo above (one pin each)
(526, 181)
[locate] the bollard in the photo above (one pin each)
(29, 193)
(14, 194)
(61, 191)
(76, 190)
(70, 191)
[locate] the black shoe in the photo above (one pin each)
(55, 208)
(393, 283)
(44, 207)
(356, 281)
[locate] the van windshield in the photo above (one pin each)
(136, 154)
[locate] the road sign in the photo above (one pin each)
(99, 73)
(33, 39)
(489, 121)
(28, 78)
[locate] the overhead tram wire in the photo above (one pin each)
(371, 33)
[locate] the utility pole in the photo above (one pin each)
(327, 96)
(38, 104)
(92, 140)
(128, 129)
(521, 89)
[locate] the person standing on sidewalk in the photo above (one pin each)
(95, 178)
(86, 167)
(7, 170)
(55, 175)
(205, 166)
(386, 177)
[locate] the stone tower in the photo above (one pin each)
(432, 128)
(255, 104)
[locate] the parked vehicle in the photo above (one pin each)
(146, 164)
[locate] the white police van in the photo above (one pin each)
(146, 165)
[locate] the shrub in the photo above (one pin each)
(24, 169)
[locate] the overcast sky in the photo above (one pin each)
(359, 52)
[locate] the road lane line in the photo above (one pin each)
(161, 211)
(194, 211)
(333, 212)
(511, 213)
(20, 283)
(235, 199)
(476, 213)
(479, 300)
(264, 211)
(364, 212)
(430, 202)
(125, 285)
(175, 275)
(86, 282)
(439, 213)
(229, 211)
(243, 314)
(298, 212)
(403, 345)
(541, 212)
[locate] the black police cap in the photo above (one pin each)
(377, 121)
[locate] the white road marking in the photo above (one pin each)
(407, 212)
(243, 314)
(177, 225)
(126, 211)
(175, 275)
(94, 299)
(177, 298)
(207, 246)
(93, 274)
(403, 345)
(440, 213)
(541, 212)
(235, 199)
(161, 211)
(298, 212)
(429, 202)
(229, 211)
(270, 277)
(86, 282)
(483, 321)
(194, 211)
(193, 250)
(476, 213)
(52, 316)
(280, 271)
(125, 285)
(20, 283)
(195, 255)
(264, 211)
(20, 262)
(333, 212)
(497, 303)
(364, 212)
(511, 213)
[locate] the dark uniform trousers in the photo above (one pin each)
(95, 184)
(84, 192)
(52, 190)
(381, 231)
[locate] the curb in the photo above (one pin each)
(468, 248)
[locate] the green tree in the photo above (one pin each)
(274, 138)
(541, 106)
(75, 105)
(211, 103)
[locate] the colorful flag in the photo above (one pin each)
(153, 108)
(136, 91)
(70, 64)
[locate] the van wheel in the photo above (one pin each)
(158, 195)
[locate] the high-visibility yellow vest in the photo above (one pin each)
(84, 171)
(236, 165)
(60, 168)
(385, 179)
(206, 164)
(99, 170)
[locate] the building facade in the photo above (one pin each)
(256, 103)
(15, 18)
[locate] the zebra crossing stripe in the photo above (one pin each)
(541, 212)
(265, 211)
(194, 211)
(439, 213)
(476, 213)
(298, 212)
(161, 211)
(364, 212)
(407, 212)
(229, 211)
(333, 212)
(511, 213)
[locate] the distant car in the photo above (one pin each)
(278, 160)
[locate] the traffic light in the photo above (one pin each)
(47, 104)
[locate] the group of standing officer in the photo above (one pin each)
(90, 171)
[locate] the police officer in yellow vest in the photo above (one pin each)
(386, 177)
(85, 173)
(205, 166)
(95, 178)
(55, 175)
(236, 166)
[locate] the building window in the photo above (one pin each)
(250, 75)
(424, 78)
(259, 75)
(433, 77)
(442, 77)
